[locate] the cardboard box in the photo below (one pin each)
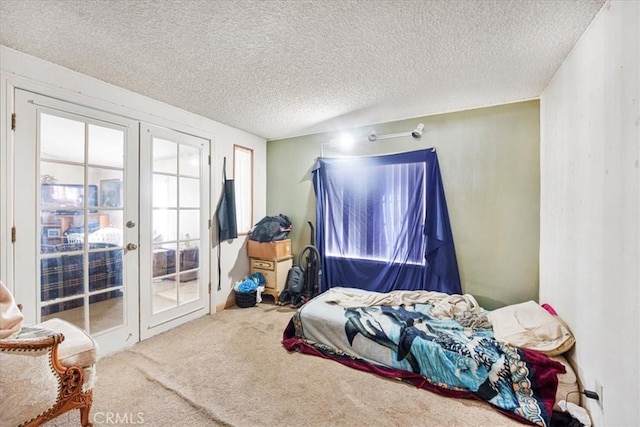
(279, 249)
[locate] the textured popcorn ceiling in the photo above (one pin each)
(285, 68)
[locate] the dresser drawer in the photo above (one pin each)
(269, 277)
(263, 264)
(274, 272)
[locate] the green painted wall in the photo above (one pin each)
(490, 165)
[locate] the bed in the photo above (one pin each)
(443, 343)
(62, 274)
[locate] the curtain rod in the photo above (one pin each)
(346, 139)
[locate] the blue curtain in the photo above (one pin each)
(383, 225)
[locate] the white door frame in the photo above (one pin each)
(21, 71)
(28, 105)
(152, 324)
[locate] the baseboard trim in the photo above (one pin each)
(230, 302)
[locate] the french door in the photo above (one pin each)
(175, 228)
(76, 216)
(111, 218)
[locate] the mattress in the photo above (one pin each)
(444, 353)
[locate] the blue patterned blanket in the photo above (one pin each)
(439, 354)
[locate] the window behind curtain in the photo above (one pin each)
(381, 209)
(383, 225)
(243, 178)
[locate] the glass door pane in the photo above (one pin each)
(175, 202)
(81, 215)
(177, 227)
(76, 174)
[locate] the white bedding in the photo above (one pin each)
(528, 325)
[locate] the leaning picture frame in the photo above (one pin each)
(111, 193)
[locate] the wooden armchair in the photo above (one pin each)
(46, 370)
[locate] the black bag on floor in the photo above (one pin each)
(294, 286)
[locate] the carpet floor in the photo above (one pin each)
(230, 369)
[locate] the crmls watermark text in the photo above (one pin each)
(115, 418)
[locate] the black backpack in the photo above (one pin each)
(292, 293)
(271, 228)
(295, 280)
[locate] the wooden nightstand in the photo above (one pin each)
(275, 273)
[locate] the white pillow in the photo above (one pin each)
(527, 325)
(106, 235)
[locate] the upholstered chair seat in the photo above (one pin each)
(77, 349)
(45, 370)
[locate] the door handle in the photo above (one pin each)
(131, 224)
(132, 246)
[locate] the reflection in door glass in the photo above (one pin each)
(189, 285)
(176, 224)
(165, 191)
(189, 161)
(165, 154)
(164, 288)
(189, 193)
(106, 146)
(165, 225)
(190, 224)
(61, 139)
(81, 211)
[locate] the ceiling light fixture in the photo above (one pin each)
(417, 132)
(373, 136)
(345, 140)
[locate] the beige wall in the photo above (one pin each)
(489, 160)
(590, 208)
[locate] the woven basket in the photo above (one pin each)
(245, 299)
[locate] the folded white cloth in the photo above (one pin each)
(259, 292)
(528, 325)
(10, 315)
